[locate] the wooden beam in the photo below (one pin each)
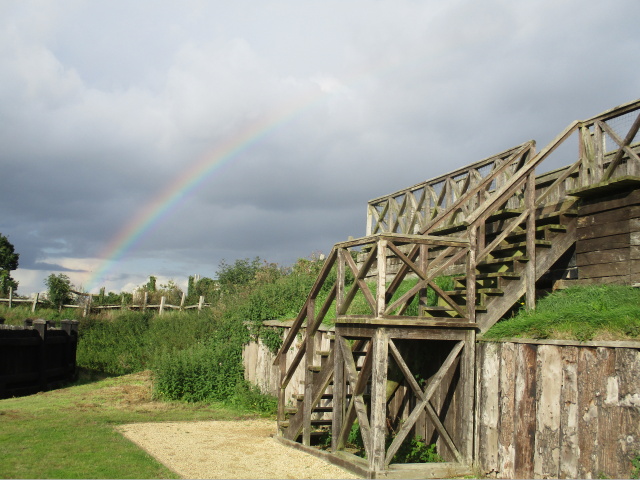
(379, 344)
(431, 388)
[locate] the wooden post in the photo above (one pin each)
(308, 374)
(10, 296)
(338, 392)
(123, 303)
(369, 219)
(424, 265)
(382, 279)
(35, 302)
(144, 301)
(182, 300)
(162, 300)
(598, 148)
(281, 391)
(200, 302)
(41, 327)
(467, 374)
(380, 344)
(530, 271)
(340, 266)
(471, 273)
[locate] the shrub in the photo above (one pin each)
(59, 288)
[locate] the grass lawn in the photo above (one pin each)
(597, 312)
(71, 432)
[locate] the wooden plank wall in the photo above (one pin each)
(608, 239)
(260, 371)
(557, 411)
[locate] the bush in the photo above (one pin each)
(59, 288)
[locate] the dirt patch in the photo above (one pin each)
(227, 449)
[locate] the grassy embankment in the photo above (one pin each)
(598, 312)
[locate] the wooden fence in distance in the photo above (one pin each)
(89, 306)
(37, 357)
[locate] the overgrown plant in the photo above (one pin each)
(59, 288)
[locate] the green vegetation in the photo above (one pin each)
(72, 432)
(8, 261)
(635, 463)
(598, 312)
(412, 450)
(59, 288)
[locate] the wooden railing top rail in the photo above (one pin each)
(454, 173)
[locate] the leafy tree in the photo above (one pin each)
(59, 288)
(8, 262)
(151, 284)
(239, 273)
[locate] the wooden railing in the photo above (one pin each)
(452, 223)
(605, 151)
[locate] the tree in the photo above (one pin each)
(59, 287)
(8, 262)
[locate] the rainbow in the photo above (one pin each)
(140, 226)
(144, 222)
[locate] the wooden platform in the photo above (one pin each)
(615, 185)
(360, 466)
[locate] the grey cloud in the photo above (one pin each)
(103, 106)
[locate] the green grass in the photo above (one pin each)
(71, 432)
(598, 312)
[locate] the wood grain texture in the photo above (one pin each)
(628, 385)
(548, 396)
(588, 371)
(489, 409)
(569, 448)
(506, 392)
(525, 409)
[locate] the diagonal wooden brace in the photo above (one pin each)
(422, 404)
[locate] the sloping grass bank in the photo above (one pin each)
(597, 312)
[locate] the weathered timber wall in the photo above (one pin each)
(258, 362)
(608, 239)
(557, 410)
(36, 357)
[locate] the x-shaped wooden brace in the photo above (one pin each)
(423, 402)
(623, 144)
(359, 283)
(356, 406)
(427, 280)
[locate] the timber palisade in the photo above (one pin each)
(505, 234)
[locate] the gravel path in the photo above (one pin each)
(220, 449)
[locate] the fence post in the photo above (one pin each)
(10, 296)
(162, 300)
(40, 326)
(35, 302)
(144, 301)
(71, 327)
(182, 300)
(200, 302)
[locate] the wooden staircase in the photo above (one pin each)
(503, 228)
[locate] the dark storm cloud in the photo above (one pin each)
(104, 105)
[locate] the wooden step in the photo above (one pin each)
(521, 245)
(323, 353)
(291, 410)
(542, 229)
(486, 291)
(503, 260)
(443, 309)
(482, 276)
(315, 368)
(300, 397)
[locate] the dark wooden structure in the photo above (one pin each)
(37, 357)
(507, 234)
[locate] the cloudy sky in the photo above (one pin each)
(106, 106)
